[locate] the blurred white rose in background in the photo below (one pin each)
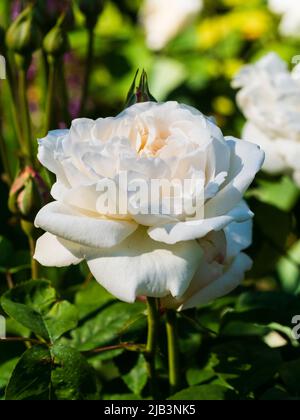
(269, 97)
(290, 11)
(164, 19)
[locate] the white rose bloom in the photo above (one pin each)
(290, 9)
(183, 260)
(269, 98)
(164, 19)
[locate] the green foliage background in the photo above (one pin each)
(227, 348)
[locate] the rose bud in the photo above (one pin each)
(27, 194)
(140, 93)
(91, 10)
(23, 36)
(56, 42)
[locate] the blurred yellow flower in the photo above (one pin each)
(232, 66)
(251, 24)
(223, 105)
(255, 24)
(233, 3)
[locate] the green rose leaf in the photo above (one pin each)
(72, 378)
(114, 322)
(137, 378)
(195, 376)
(290, 374)
(31, 378)
(91, 298)
(204, 393)
(245, 365)
(282, 194)
(122, 397)
(35, 305)
(56, 373)
(6, 370)
(61, 318)
(262, 309)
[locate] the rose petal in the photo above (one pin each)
(53, 252)
(239, 237)
(81, 129)
(140, 266)
(223, 285)
(195, 229)
(246, 161)
(49, 147)
(67, 223)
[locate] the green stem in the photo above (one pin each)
(20, 340)
(151, 348)
(9, 280)
(13, 100)
(17, 125)
(51, 96)
(44, 74)
(6, 13)
(88, 70)
(126, 346)
(29, 229)
(50, 104)
(34, 264)
(25, 117)
(5, 156)
(64, 91)
(173, 351)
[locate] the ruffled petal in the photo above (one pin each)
(223, 285)
(238, 237)
(49, 148)
(84, 229)
(140, 266)
(246, 160)
(195, 229)
(54, 252)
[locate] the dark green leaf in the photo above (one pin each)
(90, 298)
(196, 376)
(290, 374)
(245, 365)
(204, 393)
(264, 308)
(122, 397)
(282, 194)
(6, 370)
(72, 378)
(56, 373)
(275, 394)
(31, 378)
(61, 318)
(137, 378)
(109, 326)
(269, 243)
(34, 304)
